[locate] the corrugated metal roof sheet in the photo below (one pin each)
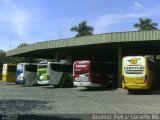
(89, 40)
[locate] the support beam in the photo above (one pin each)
(57, 57)
(119, 66)
(155, 57)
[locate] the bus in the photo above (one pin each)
(139, 73)
(27, 74)
(94, 74)
(42, 73)
(9, 73)
(60, 74)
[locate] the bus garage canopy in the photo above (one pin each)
(144, 41)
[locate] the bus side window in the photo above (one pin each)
(31, 68)
(98, 67)
(152, 65)
(12, 68)
(61, 67)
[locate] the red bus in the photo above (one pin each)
(94, 74)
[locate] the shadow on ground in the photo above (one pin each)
(97, 89)
(46, 117)
(53, 87)
(10, 84)
(145, 92)
(22, 106)
(53, 117)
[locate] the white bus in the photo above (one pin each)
(60, 74)
(26, 74)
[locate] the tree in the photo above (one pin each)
(83, 29)
(146, 24)
(4, 59)
(2, 56)
(15, 60)
(25, 59)
(22, 45)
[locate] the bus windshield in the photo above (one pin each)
(31, 68)
(42, 66)
(82, 68)
(134, 66)
(98, 67)
(20, 67)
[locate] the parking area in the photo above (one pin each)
(47, 100)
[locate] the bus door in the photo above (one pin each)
(30, 74)
(4, 72)
(11, 73)
(20, 74)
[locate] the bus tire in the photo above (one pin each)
(56, 86)
(66, 84)
(130, 91)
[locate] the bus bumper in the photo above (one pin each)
(20, 81)
(135, 86)
(43, 82)
(87, 84)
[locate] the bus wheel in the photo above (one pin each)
(56, 86)
(130, 91)
(66, 84)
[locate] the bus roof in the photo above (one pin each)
(88, 61)
(10, 64)
(27, 63)
(59, 63)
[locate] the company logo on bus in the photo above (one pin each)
(138, 69)
(134, 60)
(81, 66)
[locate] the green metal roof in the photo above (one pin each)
(117, 37)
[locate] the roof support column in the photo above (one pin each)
(119, 66)
(155, 57)
(57, 57)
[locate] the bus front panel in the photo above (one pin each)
(42, 73)
(84, 76)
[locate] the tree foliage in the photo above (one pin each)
(83, 29)
(15, 60)
(5, 59)
(22, 45)
(25, 59)
(146, 24)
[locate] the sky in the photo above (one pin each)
(31, 21)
